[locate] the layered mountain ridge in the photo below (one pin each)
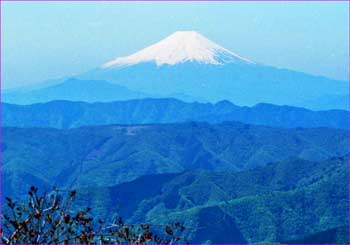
(293, 186)
(112, 154)
(167, 110)
(243, 160)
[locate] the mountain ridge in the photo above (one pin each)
(74, 90)
(165, 110)
(108, 155)
(286, 194)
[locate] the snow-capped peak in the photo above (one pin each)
(180, 47)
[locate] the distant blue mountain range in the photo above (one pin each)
(190, 67)
(74, 90)
(67, 114)
(243, 84)
(188, 131)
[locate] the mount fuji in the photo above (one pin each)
(188, 65)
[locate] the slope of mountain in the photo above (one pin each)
(338, 235)
(108, 155)
(292, 200)
(330, 101)
(65, 114)
(187, 62)
(74, 90)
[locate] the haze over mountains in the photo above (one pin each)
(186, 130)
(74, 90)
(188, 64)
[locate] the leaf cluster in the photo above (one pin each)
(51, 219)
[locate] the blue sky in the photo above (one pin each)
(43, 41)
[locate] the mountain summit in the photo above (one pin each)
(180, 47)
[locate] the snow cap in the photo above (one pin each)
(179, 47)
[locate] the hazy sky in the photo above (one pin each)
(43, 41)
